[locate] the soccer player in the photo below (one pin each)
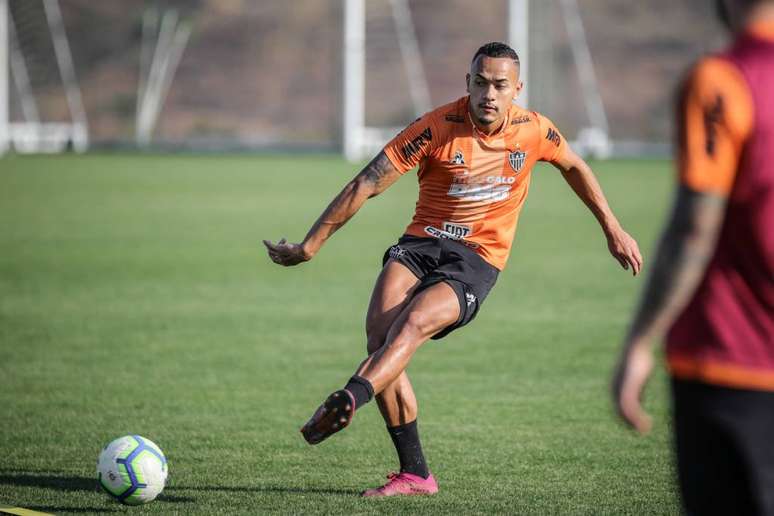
(475, 156)
(712, 285)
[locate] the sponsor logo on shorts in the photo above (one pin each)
(470, 298)
(397, 252)
(440, 233)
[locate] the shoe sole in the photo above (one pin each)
(412, 493)
(334, 415)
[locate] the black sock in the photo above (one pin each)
(361, 389)
(406, 441)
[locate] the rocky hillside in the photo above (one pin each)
(269, 72)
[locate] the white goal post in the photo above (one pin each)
(4, 64)
(360, 141)
(33, 135)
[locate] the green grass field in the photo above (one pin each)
(136, 297)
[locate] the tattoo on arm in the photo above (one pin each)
(376, 172)
(379, 174)
(681, 260)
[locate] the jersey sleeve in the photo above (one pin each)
(552, 144)
(412, 144)
(715, 117)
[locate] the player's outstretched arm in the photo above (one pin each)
(376, 177)
(579, 176)
(681, 260)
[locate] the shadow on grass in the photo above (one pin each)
(57, 510)
(33, 471)
(22, 478)
(60, 483)
(70, 483)
(166, 498)
(268, 489)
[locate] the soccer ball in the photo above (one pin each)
(132, 469)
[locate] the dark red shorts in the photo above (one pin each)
(433, 260)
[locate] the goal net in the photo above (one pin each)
(46, 113)
(388, 56)
(331, 75)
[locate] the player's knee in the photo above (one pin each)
(420, 325)
(417, 325)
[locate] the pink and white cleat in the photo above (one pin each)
(404, 484)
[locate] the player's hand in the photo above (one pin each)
(629, 380)
(625, 249)
(287, 254)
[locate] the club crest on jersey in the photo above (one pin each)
(458, 159)
(517, 159)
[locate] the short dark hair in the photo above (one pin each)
(496, 49)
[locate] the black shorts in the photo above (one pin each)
(724, 439)
(433, 260)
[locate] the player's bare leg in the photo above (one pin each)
(397, 402)
(428, 313)
(392, 292)
(413, 327)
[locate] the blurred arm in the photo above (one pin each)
(681, 260)
(581, 179)
(715, 118)
(376, 177)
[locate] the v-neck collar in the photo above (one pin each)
(480, 135)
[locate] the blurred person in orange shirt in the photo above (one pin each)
(475, 158)
(711, 292)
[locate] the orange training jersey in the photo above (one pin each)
(471, 185)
